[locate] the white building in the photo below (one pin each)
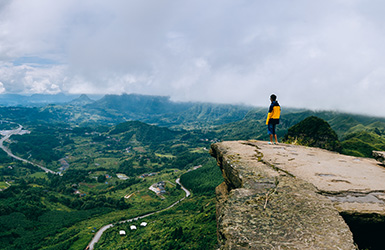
(122, 232)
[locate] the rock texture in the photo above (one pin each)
(289, 197)
(379, 156)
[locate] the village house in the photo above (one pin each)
(158, 188)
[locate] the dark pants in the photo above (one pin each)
(271, 128)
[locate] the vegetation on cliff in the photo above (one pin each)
(313, 132)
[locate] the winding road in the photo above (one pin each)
(7, 134)
(104, 228)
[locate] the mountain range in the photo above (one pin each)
(359, 134)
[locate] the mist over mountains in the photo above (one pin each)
(38, 100)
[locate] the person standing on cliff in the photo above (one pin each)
(273, 118)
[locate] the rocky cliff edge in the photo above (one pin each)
(290, 197)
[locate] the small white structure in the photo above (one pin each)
(133, 227)
(143, 224)
(122, 232)
(122, 176)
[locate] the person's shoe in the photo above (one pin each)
(270, 143)
(275, 143)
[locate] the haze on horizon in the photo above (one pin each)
(325, 55)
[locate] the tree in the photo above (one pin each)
(102, 178)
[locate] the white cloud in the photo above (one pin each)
(28, 79)
(2, 89)
(316, 54)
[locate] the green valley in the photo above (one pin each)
(109, 152)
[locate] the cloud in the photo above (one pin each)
(319, 55)
(2, 89)
(27, 79)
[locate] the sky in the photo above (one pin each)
(321, 55)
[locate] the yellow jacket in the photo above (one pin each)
(274, 113)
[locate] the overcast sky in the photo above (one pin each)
(327, 54)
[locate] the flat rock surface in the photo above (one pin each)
(353, 184)
(328, 171)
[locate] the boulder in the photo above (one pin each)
(379, 156)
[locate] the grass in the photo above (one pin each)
(107, 162)
(39, 175)
(170, 156)
(3, 185)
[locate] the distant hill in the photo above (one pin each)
(81, 100)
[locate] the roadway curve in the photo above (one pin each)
(9, 133)
(99, 233)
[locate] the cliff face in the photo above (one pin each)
(289, 197)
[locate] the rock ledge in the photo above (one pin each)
(263, 205)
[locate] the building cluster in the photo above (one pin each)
(158, 188)
(122, 176)
(64, 165)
